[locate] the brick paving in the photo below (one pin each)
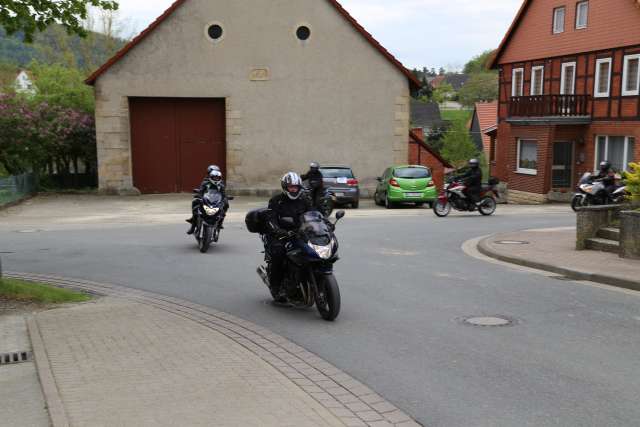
(137, 358)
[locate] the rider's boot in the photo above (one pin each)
(191, 221)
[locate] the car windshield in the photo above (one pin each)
(336, 173)
(213, 197)
(315, 228)
(412, 173)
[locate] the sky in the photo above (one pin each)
(432, 33)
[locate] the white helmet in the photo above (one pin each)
(292, 185)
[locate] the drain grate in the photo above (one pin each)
(488, 321)
(16, 357)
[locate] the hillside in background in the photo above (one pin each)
(55, 46)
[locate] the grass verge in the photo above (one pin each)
(456, 115)
(38, 292)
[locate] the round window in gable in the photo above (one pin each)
(303, 33)
(215, 32)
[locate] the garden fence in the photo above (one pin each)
(14, 188)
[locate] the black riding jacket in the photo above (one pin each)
(207, 185)
(282, 206)
(473, 178)
(314, 177)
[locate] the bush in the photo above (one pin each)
(632, 180)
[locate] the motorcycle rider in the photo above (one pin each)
(211, 181)
(314, 176)
(607, 175)
(292, 204)
(472, 179)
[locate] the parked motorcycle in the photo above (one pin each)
(209, 218)
(453, 196)
(312, 251)
(593, 192)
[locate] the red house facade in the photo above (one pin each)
(569, 94)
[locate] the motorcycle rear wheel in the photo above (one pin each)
(487, 206)
(328, 297)
(205, 239)
(442, 209)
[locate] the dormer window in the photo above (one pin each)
(558, 20)
(582, 15)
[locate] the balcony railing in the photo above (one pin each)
(550, 106)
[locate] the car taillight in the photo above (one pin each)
(352, 182)
(393, 182)
(431, 184)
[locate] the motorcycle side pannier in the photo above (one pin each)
(255, 220)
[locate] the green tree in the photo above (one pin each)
(479, 63)
(457, 146)
(63, 87)
(480, 87)
(31, 16)
(443, 93)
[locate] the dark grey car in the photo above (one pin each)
(342, 183)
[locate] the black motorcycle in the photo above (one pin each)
(209, 217)
(312, 251)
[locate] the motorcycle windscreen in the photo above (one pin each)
(315, 229)
(213, 198)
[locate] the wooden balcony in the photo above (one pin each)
(560, 108)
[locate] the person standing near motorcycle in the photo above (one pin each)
(316, 183)
(473, 181)
(289, 204)
(214, 179)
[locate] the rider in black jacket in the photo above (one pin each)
(607, 175)
(290, 204)
(213, 180)
(314, 176)
(473, 180)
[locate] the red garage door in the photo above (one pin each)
(174, 140)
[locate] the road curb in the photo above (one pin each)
(349, 400)
(485, 249)
(55, 408)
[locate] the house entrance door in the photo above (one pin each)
(562, 164)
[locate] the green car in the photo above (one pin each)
(406, 184)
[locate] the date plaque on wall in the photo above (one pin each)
(259, 75)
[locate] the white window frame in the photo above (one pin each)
(625, 91)
(625, 159)
(513, 81)
(556, 21)
(533, 73)
(525, 171)
(586, 23)
(596, 93)
(563, 82)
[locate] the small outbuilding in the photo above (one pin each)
(256, 86)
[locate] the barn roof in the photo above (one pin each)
(415, 138)
(425, 114)
(413, 81)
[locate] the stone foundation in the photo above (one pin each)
(525, 198)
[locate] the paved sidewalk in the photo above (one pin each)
(134, 358)
(554, 250)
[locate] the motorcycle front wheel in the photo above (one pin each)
(488, 206)
(442, 209)
(577, 202)
(205, 239)
(328, 297)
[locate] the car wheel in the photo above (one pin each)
(376, 199)
(388, 203)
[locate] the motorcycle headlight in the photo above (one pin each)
(323, 251)
(211, 211)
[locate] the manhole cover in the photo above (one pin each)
(29, 231)
(511, 242)
(488, 321)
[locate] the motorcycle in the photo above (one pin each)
(311, 252)
(209, 218)
(453, 196)
(593, 192)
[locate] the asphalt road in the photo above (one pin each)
(572, 359)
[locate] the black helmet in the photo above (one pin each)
(291, 185)
(474, 163)
(314, 166)
(605, 166)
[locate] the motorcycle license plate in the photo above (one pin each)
(412, 194)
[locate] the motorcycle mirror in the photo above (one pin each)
(340, 215)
